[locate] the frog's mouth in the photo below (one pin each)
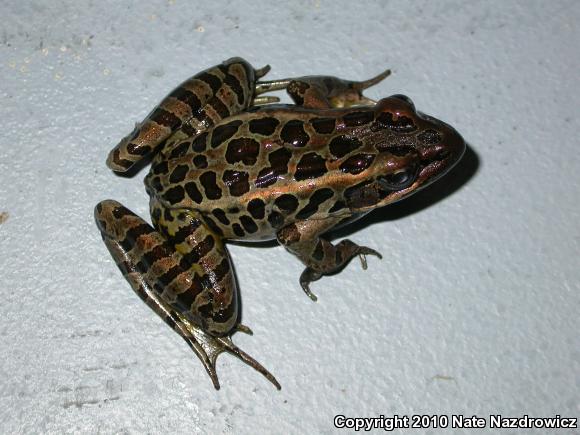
(435, 162)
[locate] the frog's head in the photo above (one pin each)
(413, 151)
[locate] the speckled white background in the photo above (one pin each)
(473, 310)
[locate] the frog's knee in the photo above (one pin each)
(108, 215)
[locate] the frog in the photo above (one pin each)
(228, 162)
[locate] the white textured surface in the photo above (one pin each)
(474, 309)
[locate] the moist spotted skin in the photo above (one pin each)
(309, 157)
(192, 107)
(228, 166)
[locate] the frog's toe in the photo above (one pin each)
(306, 278)
(259, 101)
(261, 72)
(365, 84)
(271, 85)
(245, 329)
(208, 348)
(349, 250)
(234, 350)
(362, 253)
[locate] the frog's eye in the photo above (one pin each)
(404, 98)
(399, 180)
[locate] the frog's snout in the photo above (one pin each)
(442, 148)
(450, 144)
(453, 144)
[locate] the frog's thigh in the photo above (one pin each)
(176, 279)
(145, 291)
(320, 257)
(157, 274)
(129, 239)
(203, 253)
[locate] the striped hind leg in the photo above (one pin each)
(195, 105)
(160, 277)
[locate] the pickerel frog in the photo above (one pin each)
(228, 165)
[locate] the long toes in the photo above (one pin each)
(309, 275)
(261, 72)
(265, 100)
(363, 250)
(236, 351)
(365, 84)
(272, 85)
(306, 289)
(245, 329)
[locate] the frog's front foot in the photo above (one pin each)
(319, 255)
(345, 251)
(351, 249)
(320, 92)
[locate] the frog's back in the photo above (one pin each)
(256, 172)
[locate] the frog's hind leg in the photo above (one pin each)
(146, 138)
(140, 285)
(157, 274)
(195, 105)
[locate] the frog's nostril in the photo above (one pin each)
(403, 98)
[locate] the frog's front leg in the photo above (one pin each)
(320, 257)
(323, 92)
(195, 293)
